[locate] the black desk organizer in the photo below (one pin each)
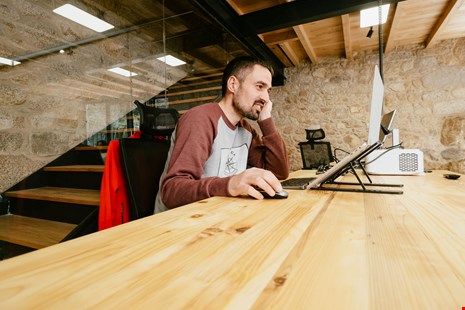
(350, 166)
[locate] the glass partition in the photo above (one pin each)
(61, 75)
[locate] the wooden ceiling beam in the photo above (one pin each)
(305, 41)
(435, 35)
(289, 51)
(347, 37)
(399, 13)
(273, 38)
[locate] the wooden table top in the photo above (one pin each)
(314, 250)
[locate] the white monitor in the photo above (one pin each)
(376, 108)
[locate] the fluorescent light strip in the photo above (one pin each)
(171, 60)
(370, 17)
(122, 72)
(9, 62)
(81, 17)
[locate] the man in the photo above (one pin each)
(213, 145)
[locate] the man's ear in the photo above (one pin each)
(233, 84)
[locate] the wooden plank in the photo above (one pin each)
(59, 194)
(308, 46)
(191, 91)
(76, 168)
(32, 232)
(199, 77)
(394, 31)
(435, 35)
(91, 148)
(335, 264)
(347, 36)
(290, 53)
(180, 85)
(207, 98)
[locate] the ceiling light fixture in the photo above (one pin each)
(9, 62)
(81, 17)
(370, 17)
(171, 60)
(122, 72)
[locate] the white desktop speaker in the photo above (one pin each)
(395, 161)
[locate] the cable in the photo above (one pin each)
(334, 153)
(397, 146)
(380, 39)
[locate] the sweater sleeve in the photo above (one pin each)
(269, 152)
(183, 182)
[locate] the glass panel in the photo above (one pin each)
(61, 80)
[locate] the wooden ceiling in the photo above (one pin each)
(424, 22)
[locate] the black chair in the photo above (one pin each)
(144, 159)
(143, 164)
(315, 153)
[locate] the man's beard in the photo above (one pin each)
(248, 113)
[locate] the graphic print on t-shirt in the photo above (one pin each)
(233, 160)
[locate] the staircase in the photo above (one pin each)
(58, 203)
(192, 91)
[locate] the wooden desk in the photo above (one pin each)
(315, 250)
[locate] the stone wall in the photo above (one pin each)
(426, 86)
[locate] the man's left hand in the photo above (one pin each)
(266, 111)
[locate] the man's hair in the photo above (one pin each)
(240, 67)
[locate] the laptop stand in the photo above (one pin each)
(351, 166)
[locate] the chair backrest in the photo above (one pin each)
(156, 121)
(315, 154)
(143, 164)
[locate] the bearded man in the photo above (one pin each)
(216, 152)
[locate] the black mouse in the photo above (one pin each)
(452, 176)
(279, 195)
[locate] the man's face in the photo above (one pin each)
(252, 93)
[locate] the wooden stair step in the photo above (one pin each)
(180, 85)
(89, 197)
(102, 148)
(32, 232)
(192, 100)
(191, 91)
(76, 168)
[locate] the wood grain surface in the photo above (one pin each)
(314, 250)
(89, 197)
(32, 232)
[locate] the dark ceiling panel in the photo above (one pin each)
(230, 20)
(301, 12)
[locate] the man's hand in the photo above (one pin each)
(266, 111)
(244, 183)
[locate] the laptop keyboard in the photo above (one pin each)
(296, 182)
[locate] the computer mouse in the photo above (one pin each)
(279, 195)
(452, 176)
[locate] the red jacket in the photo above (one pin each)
(113, 194)
(114, 199)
